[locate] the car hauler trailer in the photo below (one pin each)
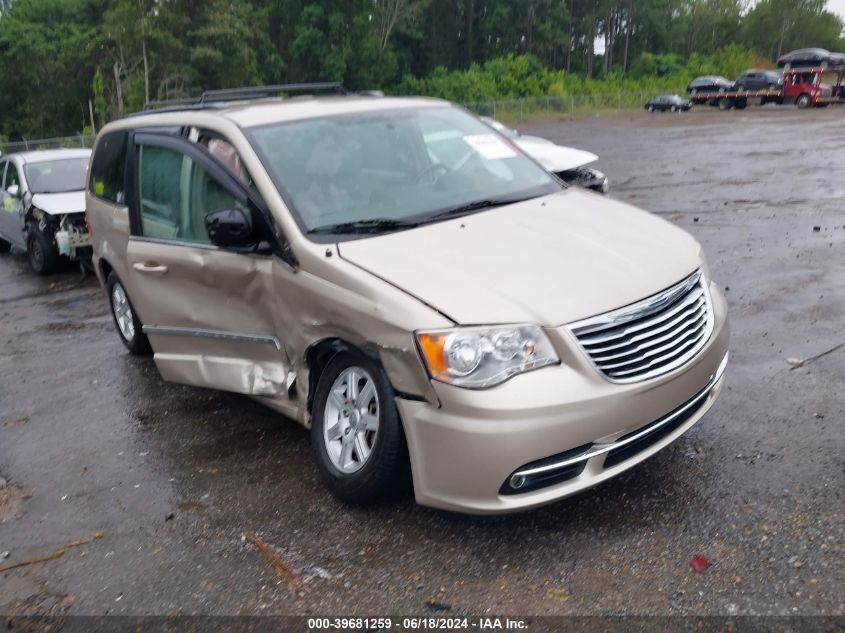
(801, 86)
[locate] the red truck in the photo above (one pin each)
(802, 86)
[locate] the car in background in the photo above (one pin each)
(758, 79)
(811, 58)
(42, 206)
(709, 83)
(567, 163)
(672, 103)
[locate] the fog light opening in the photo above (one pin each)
(517, 481)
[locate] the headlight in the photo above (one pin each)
(479, 357)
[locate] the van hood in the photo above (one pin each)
(60, 203)
(551, 260)
(554, 157)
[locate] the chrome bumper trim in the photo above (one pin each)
(648, 429)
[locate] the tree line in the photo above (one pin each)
(68, 65)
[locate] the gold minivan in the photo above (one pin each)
(407, 284)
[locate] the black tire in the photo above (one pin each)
(674, 108)
(138, 344)
(386, 470)
(803, 101)
(725, 104)
(41, 252)
(5, 246)
(650, 108)
(740, 88)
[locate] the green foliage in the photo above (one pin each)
(523, 76)
(56, 55)
(99, 100)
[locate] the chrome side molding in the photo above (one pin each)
(215, 334)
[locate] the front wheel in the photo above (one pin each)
(356, 432)
(5, 246)
(125, 319)
(674, 108)
(650, 108)
(41, 252)
(803, 101)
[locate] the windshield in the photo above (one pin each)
(57, 176)
(395, 168)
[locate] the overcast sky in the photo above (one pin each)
(837, 6)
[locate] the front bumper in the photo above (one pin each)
(465, 454)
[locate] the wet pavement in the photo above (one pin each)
(91, 439)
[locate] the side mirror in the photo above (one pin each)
(14, 191)
(229, 228)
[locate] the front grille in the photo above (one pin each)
(650, 337)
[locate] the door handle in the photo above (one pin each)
(153, 268)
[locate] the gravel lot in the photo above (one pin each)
(91, 439)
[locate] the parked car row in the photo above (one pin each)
(408, 284)
(751, 79)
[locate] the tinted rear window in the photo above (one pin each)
(109, 166)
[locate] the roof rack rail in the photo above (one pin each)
(241, 94)
(258, 92)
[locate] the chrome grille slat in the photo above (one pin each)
(650, 337)
(698, 310)
(648, 346)
(645, 324)
(656, 361)
(658, 352)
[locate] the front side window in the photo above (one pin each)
(12, 177)
(56, 176)
(405, 165)
(109, 166)
(176, 195)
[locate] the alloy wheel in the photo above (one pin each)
(351, 419)
(122, 312)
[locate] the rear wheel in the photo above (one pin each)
(650, 108)
(740, 88)
(674, 108)
(803, 101)
(356, 432)
(125, 319)
(5, 246)
(725, 104)
(41, 252)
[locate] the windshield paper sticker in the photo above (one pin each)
(490, 146)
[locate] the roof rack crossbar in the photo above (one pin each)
(217, 98)
(256, 92)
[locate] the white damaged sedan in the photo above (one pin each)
(568, 163)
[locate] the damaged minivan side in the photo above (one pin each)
(42, 206)
(408, 285)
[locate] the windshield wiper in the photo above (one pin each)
(374, 225)
(475, 206)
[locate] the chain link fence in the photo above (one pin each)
(59, 142)
(570, 106)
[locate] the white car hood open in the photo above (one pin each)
(554, 157)
(60, 203)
